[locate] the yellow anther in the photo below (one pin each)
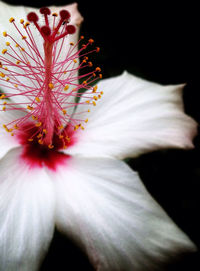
(97, 49)
(101, 92)
(64, 72)
(10, 130)
(95, 98)
(98, 69)
(86, 120)
(61, 136)
(44, 131)
(94, 74)
(2, 96)
(87, 102)
(38, 124)
(83, 128)
(90, 64)
(88, 111)
(84, 82)
(100, 76)
(16, 127)
(4, 126)
(76, 127)
(34, 117)
(4, 51)
(64, 111)
(7, 43)
(11, 20)
(2, 74)
(4, 108)
(39, 135)
(22, 49)
(16, 45)
(91, 41)
(0, 65)
(17, 62)
(21, 21)
(64, 147)
(37, 99)
(5, 34)
(81, 37)
(75, 61)
(99, 96)
(55, 14)
(60, 127)
(68, 139)
(50, 146)
(4, 103)
(5, 68)
(71, 43)
(94, 89)
(51, 86)
(66, 87)
(29, 107)
(12, 134)
(40, 141)
(94, 103)
(15, 85)
(26, 24)
(30, 139)
(24, 37)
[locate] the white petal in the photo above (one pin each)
(134, 116)
(20, 12)
(102, 204)
(7, 141)
(26, 214)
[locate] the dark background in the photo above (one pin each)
(157, 41)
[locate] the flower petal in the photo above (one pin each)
(26, 214)
(7, 141)
(135, 116)
(102, 204)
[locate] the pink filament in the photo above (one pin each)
(46, 77)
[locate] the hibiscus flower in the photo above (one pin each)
(62, 159)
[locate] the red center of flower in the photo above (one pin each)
(45, 85)
(37, 154)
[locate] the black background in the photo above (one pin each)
(157, 41)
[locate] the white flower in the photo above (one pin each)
(75, 179)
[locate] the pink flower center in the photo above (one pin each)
(43, 82)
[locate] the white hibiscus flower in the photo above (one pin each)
(57, 170)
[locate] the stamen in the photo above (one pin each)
(50, 87)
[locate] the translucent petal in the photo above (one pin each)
(104, 207)
(26, 214)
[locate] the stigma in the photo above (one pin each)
(46, 83)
